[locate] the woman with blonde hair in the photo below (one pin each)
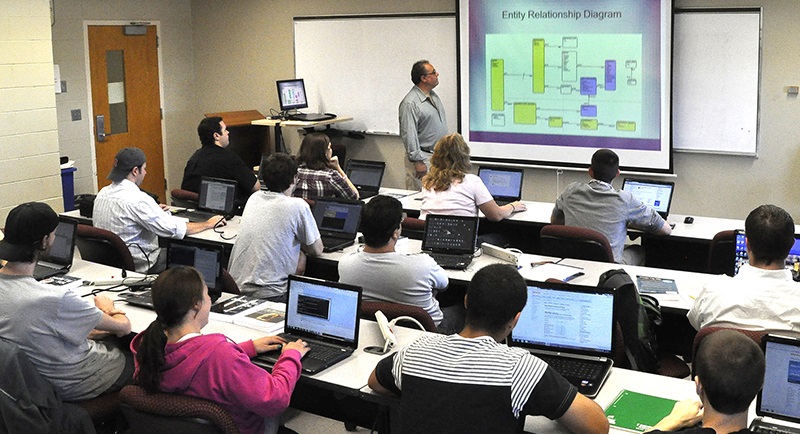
(448, 188)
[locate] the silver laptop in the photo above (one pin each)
(59, 259)
(655, 194)
(324, 314)
(337, 221)
(450, 240)
(366, 176)
(216, 197)
(777, 402)
(505, 185)
(571, 327)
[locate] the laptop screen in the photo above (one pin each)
(63, 248)
(569, 318)
(366, 173)
(337, 217)
(328, 310)
(450, 234)
(740, 255)
(505, 184)
(217, 195)
(654, 194)
(292, 94)
(780, 396)
(206, 257)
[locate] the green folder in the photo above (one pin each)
(637, 412)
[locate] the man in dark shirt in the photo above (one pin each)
(212, 159)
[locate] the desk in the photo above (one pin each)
(308, 126)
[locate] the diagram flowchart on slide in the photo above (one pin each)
(562, 84)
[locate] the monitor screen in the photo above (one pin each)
(292, 94)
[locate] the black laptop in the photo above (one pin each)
(571, 327)
(216, 197)
(655, 194)
(59, 259)
(505, 185)
(324, 314)
(366, 176)
(337, 221)
(740, 255)
(450, 240)
(777, 402)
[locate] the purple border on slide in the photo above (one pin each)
(567, 141)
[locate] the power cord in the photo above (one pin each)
(221, 233)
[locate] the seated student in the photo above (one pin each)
(449, 189)
(471, 383)
(596, 205)
(320, 174)
(275, 234)
(129, 212)
(53, 326)
(173, 356)
(763, 295)
(213, 159)
(386, 275)
(729, 373)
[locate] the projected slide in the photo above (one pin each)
(551, 81)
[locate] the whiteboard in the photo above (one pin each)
(360, 66)
(716, 76)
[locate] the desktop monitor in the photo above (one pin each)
(292, 94)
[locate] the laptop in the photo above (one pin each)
(571, 327)
(292, 96)
(655, 194)
(207, 257)
(337, 221)
(740, 255)
(776, 403)
(59, 259)
(324, 314)
(450, 240)
(505, 185)
(216, 197)
(366, 176)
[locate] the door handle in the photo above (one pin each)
(101, 128)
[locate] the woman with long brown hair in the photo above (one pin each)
(319, 173)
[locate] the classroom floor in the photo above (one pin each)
(307, 423)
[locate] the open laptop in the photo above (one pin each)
(740, 255)
(366, 176)
(450, 240)
(571, 327)
(59, 259)
(206, 257)
(292, 96)
(655, 194)
(505, 185)
(777, 402)
(324, 314)
(216, 197)
(337, 221)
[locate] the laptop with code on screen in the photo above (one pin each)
(450, 240)
(324, 314)
(366, 176)
(505, 185)
(571, 327)
(778, 402)
(337, 221)
(655, 194)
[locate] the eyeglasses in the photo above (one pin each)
(430, 73)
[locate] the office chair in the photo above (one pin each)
(574, 242)
(167, 413)
(413, 228)
(722, 253)
(394, 310)
(755, 335)
(103, 247)
(184, 198)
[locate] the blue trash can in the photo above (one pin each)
(68, 187)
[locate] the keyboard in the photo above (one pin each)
(310, 117)
(454, 262)
(761, 426)
(573, 368)
(332, 244)
(195, 215)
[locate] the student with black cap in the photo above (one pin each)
(132, 214)
(52, 326)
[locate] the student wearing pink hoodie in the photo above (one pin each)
(173, 356)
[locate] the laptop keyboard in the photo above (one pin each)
(574, 368)
(458, 262)
(318, 350)
(196, 216)
(760, 426)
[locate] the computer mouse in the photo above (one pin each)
(688, 220)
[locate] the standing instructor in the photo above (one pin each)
(422, 122)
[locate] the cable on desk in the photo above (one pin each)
(221, 233)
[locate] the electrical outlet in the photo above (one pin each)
(76, 114)
(63, 86)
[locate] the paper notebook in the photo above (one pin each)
(637, 412)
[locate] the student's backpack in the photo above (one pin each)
(638, 316)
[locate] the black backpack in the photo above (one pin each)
(638, 317)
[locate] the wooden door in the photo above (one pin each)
(125, 91)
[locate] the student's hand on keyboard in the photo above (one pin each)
(298, 345)
(268, 343)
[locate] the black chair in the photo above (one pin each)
(103, 247)
(167, 413)
(574, 242)
(184, 198)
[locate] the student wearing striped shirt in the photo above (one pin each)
(471, 383)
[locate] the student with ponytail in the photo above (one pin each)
(173, 356)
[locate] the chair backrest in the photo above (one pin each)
(394, 310)
(104, 247)
(721, 253)
(166, 413)
(574, 242)
(413, 228)
(184, 198)
(755, 335)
